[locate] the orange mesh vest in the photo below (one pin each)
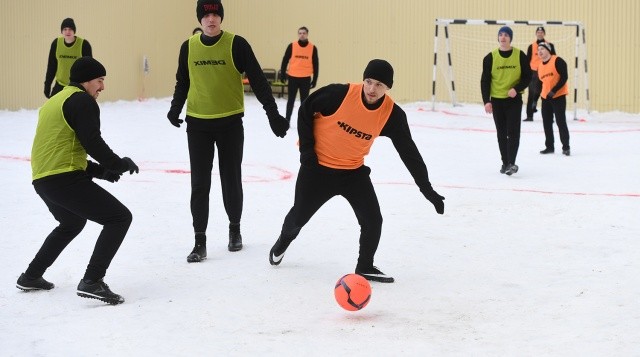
(345, 137)
(300, 63)
(535, 59)
(550, 77)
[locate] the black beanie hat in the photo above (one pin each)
(380, 70)
(85, 69)
(204, 7)
(545, 45)
(540, 28)
(68, 22)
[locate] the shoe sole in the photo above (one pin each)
(196, 260)
(234, 249)
(379, 279)
(101, 298)
(29, 288)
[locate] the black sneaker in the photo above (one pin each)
(26, 283)
(278, 249)
(235, 241)
(527, 119)
(198, 254)
(547, 151)
(566, 152)
(503, 169)
(98, 290)
(511, 169)
(374, 274)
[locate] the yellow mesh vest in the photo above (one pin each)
(56, 148)
(215, 89)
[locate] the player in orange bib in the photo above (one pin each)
(337, 125)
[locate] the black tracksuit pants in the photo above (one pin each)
(506, 116)
(557, 107)
(204, 135)
(534, 94)
(293, 85)
(73, 198)
(315, 186)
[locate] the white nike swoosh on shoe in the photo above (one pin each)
(277, 258)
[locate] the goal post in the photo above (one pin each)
(466, 44)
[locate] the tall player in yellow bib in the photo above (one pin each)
(209, 79)
(337, 125)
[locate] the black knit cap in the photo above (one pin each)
(545, 45)
(204, 7)
(380, 70)
(85, 69)
(68, 22)
(540, 28)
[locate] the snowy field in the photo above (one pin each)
(542, 263)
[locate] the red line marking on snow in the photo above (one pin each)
(527, 190)
(488, 116)
(16, 158)
(280, 175)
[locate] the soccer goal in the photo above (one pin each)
(466, 42)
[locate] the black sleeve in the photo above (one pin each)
(530, 53)
(86, 49)
(525, 73)
(325, 101)
(82, 114)
(397, 129)
(561, 67)
(316, 64)
(246, 62)
(182, 81)
(52, 65)
(285, 60)
(553, 48)
(485, 79)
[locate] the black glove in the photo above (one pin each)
(283, 78)
(435, 199)
(98, 171)
(47, 91)
(173, 118)
(129, 165)
(551, 94)
(313, 85)
(279, 125)
(110, 176)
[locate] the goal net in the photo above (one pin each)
(460, 46)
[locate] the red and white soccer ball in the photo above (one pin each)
(352, 292)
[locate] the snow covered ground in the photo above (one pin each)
(545, 262)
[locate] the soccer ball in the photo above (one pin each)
(352, 292)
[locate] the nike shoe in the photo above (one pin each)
(26, 283)
(277, 251)
(374, 274)
(198, 254)
(98, 290)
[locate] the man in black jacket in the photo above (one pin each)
(63, 52)
(209, 79)
(337, 126)
(68, 130)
